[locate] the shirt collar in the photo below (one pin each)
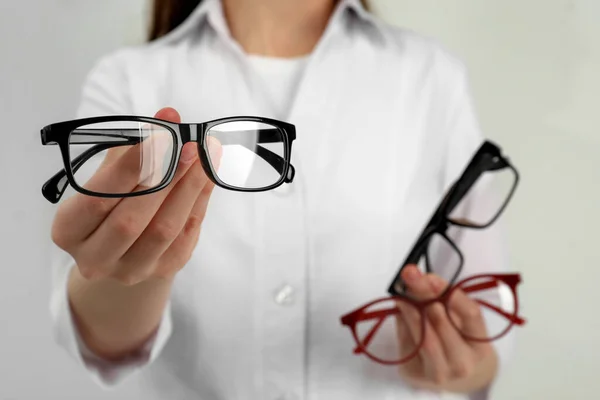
(212, 10)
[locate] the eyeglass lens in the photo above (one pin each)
(251, 153)
(489, 193)
(123, 157)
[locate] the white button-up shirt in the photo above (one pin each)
(384, 123)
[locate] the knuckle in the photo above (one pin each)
(162, 273)
(89, 272)
(125, 226)
(181, 259)
(437, 317)
(440, 377)
(129, 279)
(59, 237)
(193, 223)
(428, 346)
(462, 369)
(59, 233)
(167, 273)
(164, 230)
(97, 206)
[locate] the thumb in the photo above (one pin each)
(168, 114)
(410, 274)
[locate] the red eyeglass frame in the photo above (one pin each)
(352, 318)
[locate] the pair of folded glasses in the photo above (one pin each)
(391, 330)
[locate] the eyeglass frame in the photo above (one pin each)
(352, 318)
(487, 154)
(59, 134)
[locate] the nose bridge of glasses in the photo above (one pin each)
(188, 132)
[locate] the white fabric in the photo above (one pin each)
(384, 122)
(278, 78)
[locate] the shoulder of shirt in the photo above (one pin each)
(420, 49)
(425, 52)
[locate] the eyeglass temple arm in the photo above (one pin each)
(490, 285)
(359, 349)
(380, 315)
(54, 188)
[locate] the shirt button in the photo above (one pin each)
(284, 295)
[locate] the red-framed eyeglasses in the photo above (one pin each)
(391, 330)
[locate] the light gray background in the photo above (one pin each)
(535, 67)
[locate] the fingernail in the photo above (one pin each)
(188, 153)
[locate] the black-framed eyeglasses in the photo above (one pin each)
(126, 156)
(434, 251)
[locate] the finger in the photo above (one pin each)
(405, 337)
(215, 152)
(469, 315)
(417, 284)
(156, 152)
(409, 331)
(181, 250)
(83, 214)
(459, 354)
(140, 260)
(435, 363)
(128, 221)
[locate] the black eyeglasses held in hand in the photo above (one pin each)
(488, 172)
(126, 156)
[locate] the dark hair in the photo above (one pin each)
(169, 14)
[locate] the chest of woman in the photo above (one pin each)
(366, 159)
(282, 266)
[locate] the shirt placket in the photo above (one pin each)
(281, 292)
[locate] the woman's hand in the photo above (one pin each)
(127, 250)
(446, 361)
(133, 239)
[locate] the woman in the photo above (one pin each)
(250, 308)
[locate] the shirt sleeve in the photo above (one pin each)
(104, 93)
(484, 250)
